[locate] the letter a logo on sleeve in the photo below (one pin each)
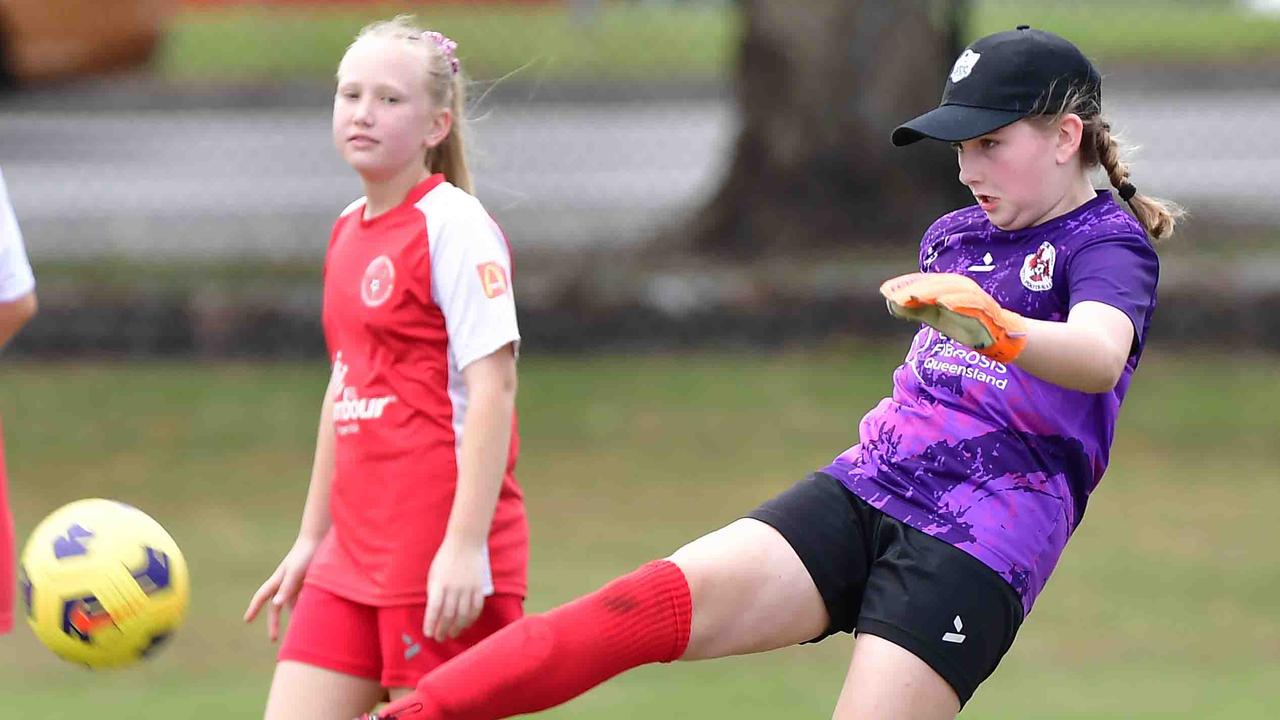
(493, 278)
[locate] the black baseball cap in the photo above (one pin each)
(998, 80)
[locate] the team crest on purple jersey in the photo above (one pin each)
(1037, 269)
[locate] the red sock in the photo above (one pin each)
(544, 660)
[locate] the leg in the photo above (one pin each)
(933, 624)
(329, 662)
(750, 592)
(306, 692)
(741, 589)
(745, 582)
(886, 682)
(399, 692)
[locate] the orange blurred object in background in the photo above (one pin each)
(43, 40)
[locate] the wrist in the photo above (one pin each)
(1009, 331)
(464, 540)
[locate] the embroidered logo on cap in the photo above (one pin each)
(964, 65)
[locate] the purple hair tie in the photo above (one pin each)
(447, 46)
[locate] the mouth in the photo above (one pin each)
(986, 202)
(361, 141)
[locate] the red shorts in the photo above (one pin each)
(380, 643)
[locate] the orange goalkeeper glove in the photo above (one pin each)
(957, 307)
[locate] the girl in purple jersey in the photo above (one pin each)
(931, 537)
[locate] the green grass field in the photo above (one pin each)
(1150, 31)
(667, 40)
(1163, 607)
(535, 42)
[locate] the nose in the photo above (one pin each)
(364, 113)
(968, 170)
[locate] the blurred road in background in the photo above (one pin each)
(207, 183)
(160, 183)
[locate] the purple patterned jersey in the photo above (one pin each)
(983, 455)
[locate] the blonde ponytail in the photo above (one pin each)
(450, 157)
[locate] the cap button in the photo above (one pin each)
(1024, 27)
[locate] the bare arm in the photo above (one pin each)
(315, 513)
(486, 438)
(1088, 352)
(15, 314)
(459, 572)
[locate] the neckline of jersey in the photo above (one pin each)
(1102, 197)
(415, 194)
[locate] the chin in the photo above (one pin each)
(369, 170)
(1007, 224)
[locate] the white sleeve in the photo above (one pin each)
(471, 279)
(16, 279)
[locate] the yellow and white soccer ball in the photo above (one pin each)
(104, 584)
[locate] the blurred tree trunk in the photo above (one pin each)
(821, 84)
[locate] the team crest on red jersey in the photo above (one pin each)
(1037, 269)
(378, 281)
(493, 277)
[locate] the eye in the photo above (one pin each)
(390, 99)
(988, 143)
(349, 94)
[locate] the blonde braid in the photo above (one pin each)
(1158, 216)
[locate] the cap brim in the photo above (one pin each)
(954, 123)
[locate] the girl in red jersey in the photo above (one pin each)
(414, 543)
(17, 306)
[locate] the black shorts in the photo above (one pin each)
(888, 579)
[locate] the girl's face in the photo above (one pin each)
(1024, 173)
(383, 118)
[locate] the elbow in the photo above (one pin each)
(29, 308)
(1099, 385)
(1105, 379)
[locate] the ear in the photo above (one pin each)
(441, 125)
(1069, 132)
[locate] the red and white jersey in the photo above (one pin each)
(411, 298)
(16, 279)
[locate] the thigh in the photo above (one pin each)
(329, 662)
(306, 692)
(750, 592)
(888, 682)
(407, 655)
(941, 604)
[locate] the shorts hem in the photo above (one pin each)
(921, 649)
(326, 663)
(403, 682)
(396, 600)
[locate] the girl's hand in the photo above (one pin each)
(456, 587)
(283, 586)
(959, 308)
